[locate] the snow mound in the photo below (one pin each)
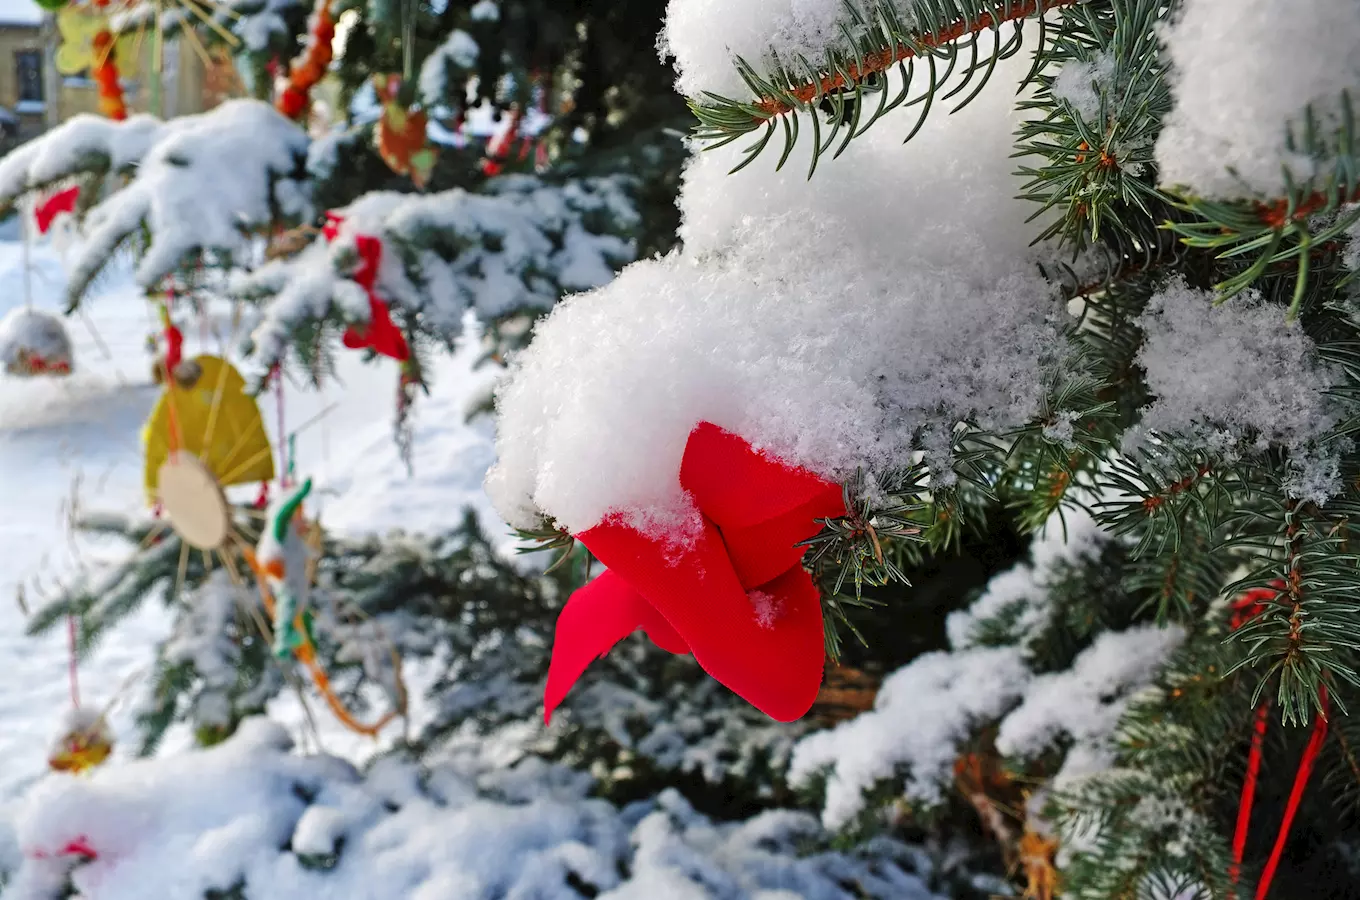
(249, 817)
(778, 323)
(1241, 70)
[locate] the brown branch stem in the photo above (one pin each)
(884, 60)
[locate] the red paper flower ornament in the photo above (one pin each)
(735, 595)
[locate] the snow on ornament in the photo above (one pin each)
(83, 743)
(33, 342)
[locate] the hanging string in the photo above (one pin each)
(408, 28)
(26, 212)
(285, 479)
(73, 662)
(1310, 755)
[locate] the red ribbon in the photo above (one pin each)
(1246, 608)
(60, 202)
(734, 594)
(79, 846)
(381, 335)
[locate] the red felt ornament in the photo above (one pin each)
(381, 335)
(499, 146)
(46, 212)
(736, 595)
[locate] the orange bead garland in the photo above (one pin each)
(310, 66)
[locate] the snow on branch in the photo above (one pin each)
(790, 59)
(204, 186)
(518, 245)
(82, 145)
(927, 710)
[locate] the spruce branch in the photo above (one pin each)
(1284, 230)
(877, 41)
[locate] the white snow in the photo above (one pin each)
(1223, 373)
(82, 142)
(705, 36)
(788, 320)
(928, 708)
(1086, 701)
(922, 713)
(459, 51)
(1244, 70)
(1023, 589)
(517, 247)
(1080, 84)
(206, 182)
(218, 818)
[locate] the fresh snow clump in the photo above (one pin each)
(1244, 70)
(922, 712)
(1223, 373)
(827, 322)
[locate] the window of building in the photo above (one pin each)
(28, 68)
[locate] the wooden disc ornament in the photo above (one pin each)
(33, 342)
(191, 498)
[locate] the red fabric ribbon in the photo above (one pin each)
(735, 594)
(1245, 608)
(60, 202)
(79, 846)
(174, 348)
(381, 335)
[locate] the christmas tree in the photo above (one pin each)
(1104, 291)
(953, 273)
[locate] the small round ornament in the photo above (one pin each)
(192, 500)
(84, 742)
(33, 343)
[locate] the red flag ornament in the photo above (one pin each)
(735, 594)
(62, 202)
(381, 335)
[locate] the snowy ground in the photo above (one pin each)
(77, 440)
